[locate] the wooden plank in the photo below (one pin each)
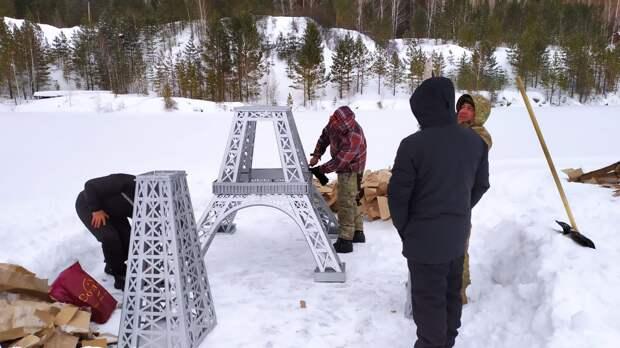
(100, 343)
(26, 342)
(384, 176)
(79, 324)
(65, 315)
(370, 194)
(333, 196)
(373, 212)
(13, 334)
(610, 179)
(384, 209)
(46, 316)
(382, 190)
(600, 172)
(372, 180)
(573, 174)
(61, 340)
(46, 334)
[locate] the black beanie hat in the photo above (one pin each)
(465, 98)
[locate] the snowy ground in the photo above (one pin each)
(531, 287)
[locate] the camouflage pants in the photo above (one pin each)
(466, 275)
(349, 205)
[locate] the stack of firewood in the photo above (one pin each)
(374, 200)
(30, 318)
(329, 193)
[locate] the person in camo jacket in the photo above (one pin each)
(347, 144)
(473, 112)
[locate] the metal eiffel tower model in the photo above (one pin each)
(168, 300)
(288, 188)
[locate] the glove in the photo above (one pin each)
(317, 174)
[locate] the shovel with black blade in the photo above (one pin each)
(569, 230)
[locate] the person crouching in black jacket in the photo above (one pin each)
(104, 207)
(439, 174)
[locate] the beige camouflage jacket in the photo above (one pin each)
(483, 110)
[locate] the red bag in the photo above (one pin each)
(76, 287)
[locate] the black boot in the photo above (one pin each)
(108, 270)
(343, 246)
(119, 282)
(359, 237)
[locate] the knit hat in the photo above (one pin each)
(465, 98)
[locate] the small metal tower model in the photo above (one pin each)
(167, 298)
(288, 188)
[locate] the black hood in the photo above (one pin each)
(433, 103)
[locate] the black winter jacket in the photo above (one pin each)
(113, 193)
(439, 174)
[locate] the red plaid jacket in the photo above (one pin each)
(346, 141)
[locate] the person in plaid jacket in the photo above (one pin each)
(347, 144)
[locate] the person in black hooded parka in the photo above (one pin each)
(439, 174)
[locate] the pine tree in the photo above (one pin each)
(107, 54)
(42, 64)
(181, 73)
(6, 60)
(465, 74)
(606, 64)
(217, 57)
(481, 71)
(287, 47)
(61, 54)
(415, 62)
(527, 55)
(379, 66)
(247, 57)
(579, 67)
(493, 77)
(552, 74)
(169, 103)
(362, 60)
(119, 55)
(342, 65)
(395, 72)
(612, 69)
(152, 39)
(190, 70)
(163, 72)
(31, 57)
(309, 69)
(135, 66)
(83, 58)
(438, 64)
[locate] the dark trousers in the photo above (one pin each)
(436, 300)
(114, 236)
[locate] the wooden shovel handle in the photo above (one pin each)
(541, 139)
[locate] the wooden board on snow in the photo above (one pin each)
(384, 210)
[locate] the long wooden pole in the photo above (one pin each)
(543, 144)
